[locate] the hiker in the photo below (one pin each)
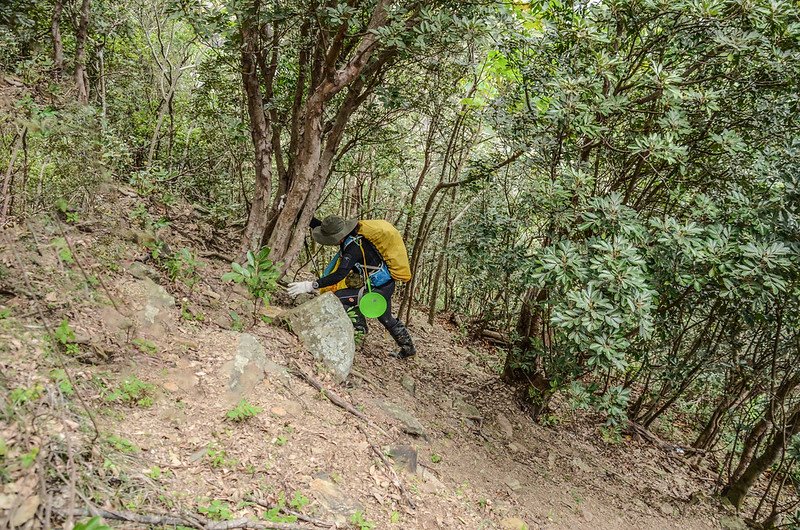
(359, 243)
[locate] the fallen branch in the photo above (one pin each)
(395, 479)
(664, 446)
(217, 255)
(334, 398)
(172, 520)
(494, 337)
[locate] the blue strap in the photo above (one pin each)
(329, 268)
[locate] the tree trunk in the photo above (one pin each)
(426, 165)
(313, 153)
(736, 490)
(529, 327)
(260, 135)
(731, 398)
(102, 82)
(7, 194)
(58, 44)
(287, 234)
(81, 78)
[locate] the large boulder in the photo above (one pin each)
(325, 329)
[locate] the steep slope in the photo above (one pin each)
(161, 363)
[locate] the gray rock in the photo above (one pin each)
(732, 522)
(409, 384)
(248, 366)
(333, 499)
(410, 424)
(505, 426)
(430, 483)
(141, 271)
(276, 371)
(325, 329)
(467, 410)
(513, 484)
(513, 523)
(405, 455)
(583, 466)
(157, 301)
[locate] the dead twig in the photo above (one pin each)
(393, 474)
(173, 520)
(334, 398)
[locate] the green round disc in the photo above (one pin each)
(372, 305)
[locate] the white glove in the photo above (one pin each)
(297, 288)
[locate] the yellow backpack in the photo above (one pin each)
(389, 243)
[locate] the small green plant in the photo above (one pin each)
(299, 501)
(280, 441)
(359, 521)
(395, 517)
(145, 346)
(28, 459)
(64, 336)
(274, 514)
(182, 266)
(60, 377)
(5, 313)
(188, 315)
(358, 337)
(243, 411)
(22, 395)
(69, 213)
(140, 215)
(436, 458)
(216, 510)
(144, 220)
(95, 523)
(5, 474)
(236, 321)
(156, 248)
(121, 444)
(154, 473)
(259, 274)
(134, 391)
(63, 251)
(611, 435)
(218, 458)
(549, 420)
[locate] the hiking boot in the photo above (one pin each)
(402, 337)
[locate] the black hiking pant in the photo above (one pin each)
(349, 299)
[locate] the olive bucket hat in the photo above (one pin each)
(332, 230)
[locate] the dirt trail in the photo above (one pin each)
(480, 464)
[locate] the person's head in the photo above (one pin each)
(333, 230)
